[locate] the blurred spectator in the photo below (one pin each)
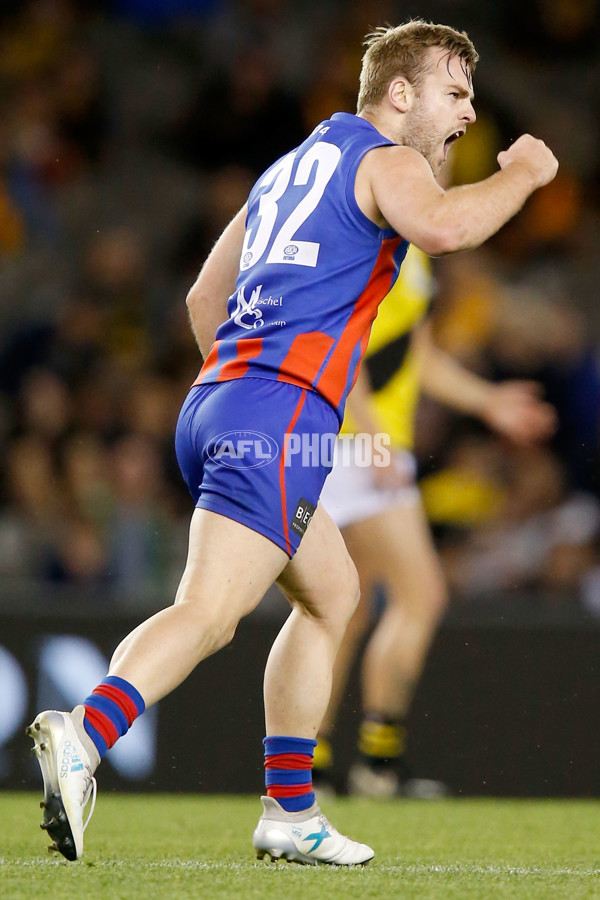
(468, 491)
(547, 339)
(45, 406)
(139, 529)
(82, 117)
(543, 536)
(32, 509)
(86, 473)
(225, 195)
(551, 28)
(155, 12)
(242, 116)
(69, 345)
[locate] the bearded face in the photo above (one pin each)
(440, 109)
(423, 132)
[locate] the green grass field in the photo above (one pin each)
(199, 846)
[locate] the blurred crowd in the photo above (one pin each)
(130, 134)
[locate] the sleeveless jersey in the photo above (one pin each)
(392, 364)
(313, 269)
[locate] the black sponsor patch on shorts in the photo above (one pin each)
(302, 516)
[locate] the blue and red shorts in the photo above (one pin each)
(257, 451)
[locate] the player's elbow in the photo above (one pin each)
(195, 299)
(198, 302)
(441, 238)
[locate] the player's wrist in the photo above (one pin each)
(484, 402)
(526, 174)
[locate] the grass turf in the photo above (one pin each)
(172, 847)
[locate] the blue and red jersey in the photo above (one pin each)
(313, 269)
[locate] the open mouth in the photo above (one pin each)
(450, 140)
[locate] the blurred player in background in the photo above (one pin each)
(380, 512)
(290, 290)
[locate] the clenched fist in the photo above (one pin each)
(534, 155)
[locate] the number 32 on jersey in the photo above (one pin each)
(282, 245)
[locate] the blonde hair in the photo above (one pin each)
(402, 50)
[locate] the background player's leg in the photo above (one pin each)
(399, 546)
(401, 554)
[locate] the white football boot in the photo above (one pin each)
(67, 758)
(363, 781)
(304, 837)
(385, 784)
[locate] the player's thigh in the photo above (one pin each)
(399, 548)
(321, 577)
(229, 566)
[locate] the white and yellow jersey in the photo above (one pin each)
(391, 362)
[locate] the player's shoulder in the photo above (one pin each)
(392, 167)
(394, 156)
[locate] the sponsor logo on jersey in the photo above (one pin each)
(302, 516)
(247, 313)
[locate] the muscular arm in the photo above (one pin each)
(512, 408)
(447, 381)
(395, 185)
(207, 298)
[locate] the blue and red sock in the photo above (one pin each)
(110, 711)
(288, 771)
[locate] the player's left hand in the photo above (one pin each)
(516, 410)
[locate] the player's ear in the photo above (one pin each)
(400, 93)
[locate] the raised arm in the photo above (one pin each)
(395, 185)
(207, 298)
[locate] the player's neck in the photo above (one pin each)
(379, 120)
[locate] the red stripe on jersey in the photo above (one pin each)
(120, 699)
(289, 761)
(332, 382)
(286, 441)
(305, 357)
(363, 347)
(209, 363)
(246, 348)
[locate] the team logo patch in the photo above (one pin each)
(243, 449)
(302, 516)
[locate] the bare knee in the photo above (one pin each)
(335, 601)
(344, 602)
(437, 597)
(222, 633)
(426, 604)
(213, 627)
(361, 617)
